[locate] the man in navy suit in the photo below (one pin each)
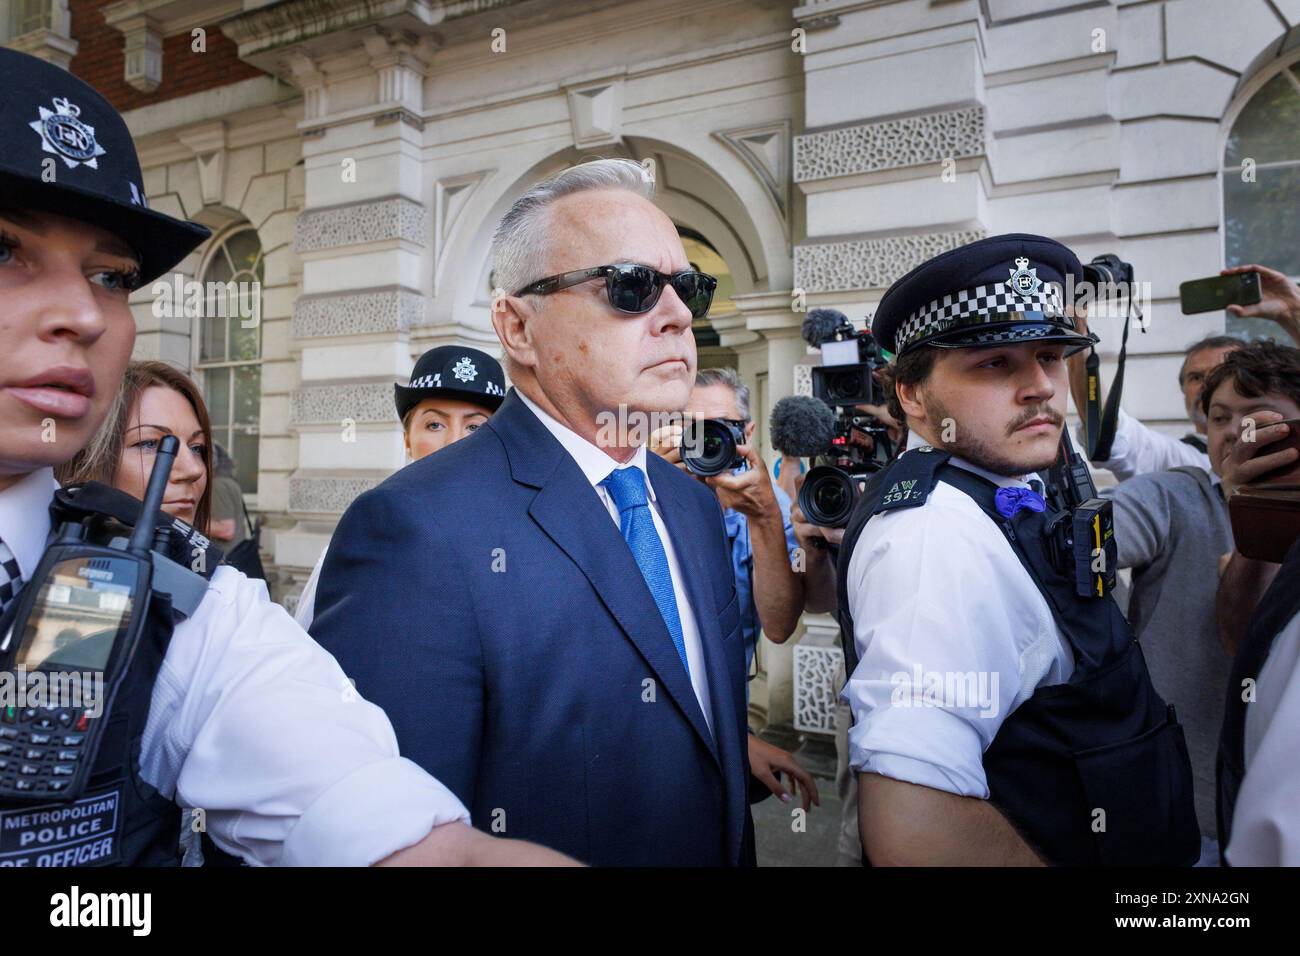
(546, 612)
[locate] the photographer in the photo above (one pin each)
(763, 547)
(1138, 449)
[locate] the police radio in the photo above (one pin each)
(77, 628)
(1081, 538)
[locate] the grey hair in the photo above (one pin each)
(520, 244)
(707, 377)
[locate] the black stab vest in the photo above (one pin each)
(1092, 771)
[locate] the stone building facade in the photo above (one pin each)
(354, 156)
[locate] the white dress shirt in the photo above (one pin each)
(1266, 821)
(305, 611)
(1139, 449)
(252, 721)
(596, 466)
(938, 588)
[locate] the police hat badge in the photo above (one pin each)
(1024, 281)
(63, 134)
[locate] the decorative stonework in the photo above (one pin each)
(331, 404)
(358, 223)
(815, 693)
(803, 380)
(596, 113)
(869, 263)
(355, 313)
(327, 495)
(911, 141)
(766, 150)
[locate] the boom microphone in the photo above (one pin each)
(819, 325)
(801, 426)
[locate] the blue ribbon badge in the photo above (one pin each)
(1008, 501)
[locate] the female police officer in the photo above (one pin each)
(247, 718)
(1002, 710)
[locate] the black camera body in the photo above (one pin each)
(1108, 270)
(844, 380)
(709, 445)
(845, 376)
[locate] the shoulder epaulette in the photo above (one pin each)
(911, 478)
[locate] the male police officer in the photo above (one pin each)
(999, 716)
(232, 709)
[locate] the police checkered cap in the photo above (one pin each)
(986, 305)
(1000, 289)
(454, 372)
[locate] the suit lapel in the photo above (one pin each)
(571, 514)
(690, 540)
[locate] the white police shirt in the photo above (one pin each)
(952, 636)
(254, 722)
(596, 466)
(1266, 820)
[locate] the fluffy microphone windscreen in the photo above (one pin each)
(820, 324)
(802, 426)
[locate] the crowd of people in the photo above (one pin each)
(533, 643)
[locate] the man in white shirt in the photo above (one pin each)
(981, 668)
(248, 719)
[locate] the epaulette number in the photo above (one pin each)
(901, 491)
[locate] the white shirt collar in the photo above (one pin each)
(594, 462)
(915, 440)
(25, 518)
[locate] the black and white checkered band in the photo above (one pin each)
(427, 381)
(978, 306)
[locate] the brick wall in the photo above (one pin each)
(99, 60)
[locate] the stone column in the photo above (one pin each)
(364, 238)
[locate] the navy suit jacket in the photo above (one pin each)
(484, 598)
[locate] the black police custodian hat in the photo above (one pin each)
(453, 371)
(997, 290)
(93, 175)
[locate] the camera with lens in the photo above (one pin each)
(709, 445)
(1108, 270)
(842, 459)
(848, 358)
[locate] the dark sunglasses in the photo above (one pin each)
(635, 289)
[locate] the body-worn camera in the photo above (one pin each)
(709, 445)
(859, 444)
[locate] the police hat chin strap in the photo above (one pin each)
(1100, 424)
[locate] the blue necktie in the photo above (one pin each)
(627, 487)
